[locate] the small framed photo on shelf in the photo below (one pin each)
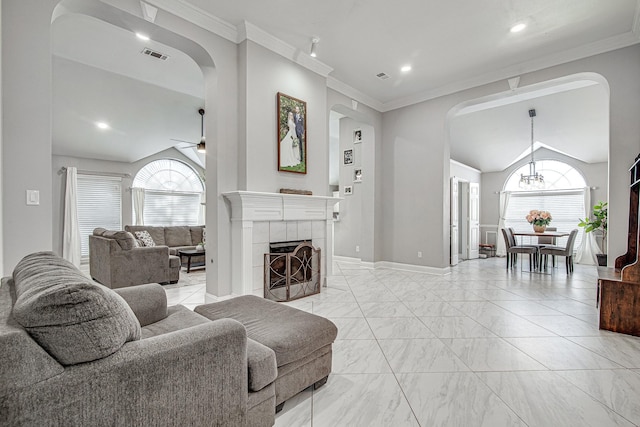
(357, 175)
(357, 136)
(348, 190)
(348, 156)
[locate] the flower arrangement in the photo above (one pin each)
(539, 218)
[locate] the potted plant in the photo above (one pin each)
(599, 222)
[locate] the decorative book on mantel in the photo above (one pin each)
(292, 191)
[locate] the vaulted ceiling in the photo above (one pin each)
(449, 45)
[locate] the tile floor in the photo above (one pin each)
(479, 347)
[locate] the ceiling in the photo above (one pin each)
(148, 103)
(450, 45)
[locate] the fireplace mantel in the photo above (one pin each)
(248, 207)
(255, 206)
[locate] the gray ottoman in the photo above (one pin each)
(301, 341)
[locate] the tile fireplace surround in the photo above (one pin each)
(260, 218)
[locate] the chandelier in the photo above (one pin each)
(534, 180)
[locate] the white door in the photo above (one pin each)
(454, 221)
(474, 220)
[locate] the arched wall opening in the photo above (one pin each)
(352, 178)
(199, 45)
(594, 168)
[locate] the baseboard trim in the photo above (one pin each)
(347, 259)
(395, 265)
(415, 268)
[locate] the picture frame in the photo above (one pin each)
(291, 128)
(348, 190)
(357, 175)
(357, 136)
(348, 156)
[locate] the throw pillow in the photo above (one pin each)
(74, 319)
(146, 239)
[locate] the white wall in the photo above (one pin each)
(1, 187)
(464, 172)
(96, 165)
(267, 74)
(416, 158)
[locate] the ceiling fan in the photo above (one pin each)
(200, 146)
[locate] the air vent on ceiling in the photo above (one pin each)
(154, 53)
(382, 76)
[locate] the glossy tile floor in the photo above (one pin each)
(482, 346)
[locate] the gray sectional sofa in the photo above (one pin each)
(116, 261)
(76, 353)
(176, 237)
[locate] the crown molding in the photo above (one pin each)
(591, 49)
(462, 165)
(248, 31)
(353, 93)
(199, 17)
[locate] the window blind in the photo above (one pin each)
(566, 207)
(171, 208)
(99, 205)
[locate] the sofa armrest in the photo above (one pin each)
(194, 376)
(148, 302)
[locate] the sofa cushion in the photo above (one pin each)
(177, 236)
(261, 361)
(145, 238)
(156, 233)
(74, 319)
(196, 234)
(124, 239)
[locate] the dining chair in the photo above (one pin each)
(566, 251)
(548, 241)
(514, 242)
(513, 250)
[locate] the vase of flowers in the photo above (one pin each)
(539, 220)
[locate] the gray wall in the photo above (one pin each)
(416, 158)
(464, 172)
(268, 73)
(368, 155)
(26, 129)
(96, 165)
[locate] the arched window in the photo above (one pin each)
(557, 176)
(563, 195)
(167, 192)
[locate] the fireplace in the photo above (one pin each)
(291, 270)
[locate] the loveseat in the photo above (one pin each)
(75, 353)
(117, 261)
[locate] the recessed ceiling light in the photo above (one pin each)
(142, 37)
(102, 125)
(406, 68)
(517, 28)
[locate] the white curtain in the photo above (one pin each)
(138, 204)
(588, 248)
(501, 249)
(71, 230)
(203, 206)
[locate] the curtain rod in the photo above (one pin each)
(85, 172)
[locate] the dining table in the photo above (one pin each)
(552, 234)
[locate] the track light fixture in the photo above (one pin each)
(314, 45)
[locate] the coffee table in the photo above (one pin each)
(190, 253)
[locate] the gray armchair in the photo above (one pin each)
(116, 262)
(74, 353)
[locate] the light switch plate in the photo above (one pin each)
(33, 197)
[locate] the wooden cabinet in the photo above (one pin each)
(619, 287)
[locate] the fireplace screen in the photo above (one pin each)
(291, 271)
